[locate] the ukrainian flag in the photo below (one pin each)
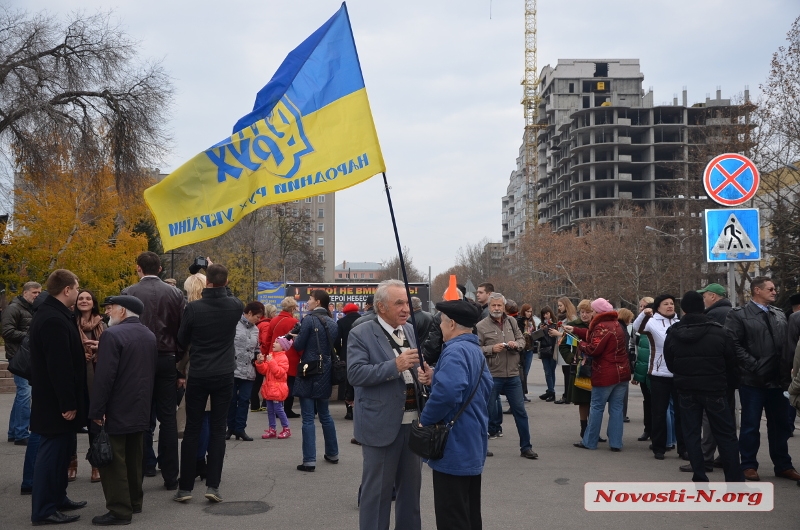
(310, 132)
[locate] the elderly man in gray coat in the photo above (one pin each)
(380, 356)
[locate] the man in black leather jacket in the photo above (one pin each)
(163, 308)
(758, 331)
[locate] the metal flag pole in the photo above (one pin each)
(403, 268)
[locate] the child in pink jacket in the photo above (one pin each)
(274, 388)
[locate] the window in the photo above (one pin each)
(572, 88)
(320, 241)
(296, 201)
(340, 275)
(362, 275)
(321, 255)
(309, 199)
(320, 227)
(321, 213)
(295, 212)
(371, 275)
(321, 198)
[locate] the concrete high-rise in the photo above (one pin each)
(602, 141)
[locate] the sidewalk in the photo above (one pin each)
(262, 488)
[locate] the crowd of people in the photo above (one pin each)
(197, 364)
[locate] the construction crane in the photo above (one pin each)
(530, 104)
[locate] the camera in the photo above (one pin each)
(200, 263)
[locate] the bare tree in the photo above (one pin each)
(83, 82)
(391, 268)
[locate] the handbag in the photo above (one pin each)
(20, 363)
(100, 453)
(339, 370)
(315, 367)
(583, 375)
(429, 441)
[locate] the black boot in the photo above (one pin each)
(349, 415)
(243, 435)
(229, 434)
(584, 423)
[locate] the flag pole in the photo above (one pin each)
(403, 269)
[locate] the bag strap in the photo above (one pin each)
(316, 334)
(468, 401)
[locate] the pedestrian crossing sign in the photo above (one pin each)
(733, 235)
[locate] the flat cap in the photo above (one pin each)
(463, 312)
(131, 303)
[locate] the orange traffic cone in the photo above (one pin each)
(452, 290)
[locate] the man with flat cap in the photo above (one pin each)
(461, 377)
(121, 394)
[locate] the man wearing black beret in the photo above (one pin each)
(461, 379)
(120, 396)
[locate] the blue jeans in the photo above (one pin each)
(549, 364)
(614, 395)
(770, 400)
(671, 424)
(20, 417)
(240, 404)
(30, 460)
(527, 360)
(309, 432)
(512, 388)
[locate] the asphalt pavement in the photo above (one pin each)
(262, 489)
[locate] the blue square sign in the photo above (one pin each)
(733, 234)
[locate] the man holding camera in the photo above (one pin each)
(501, 342)
(163, 308)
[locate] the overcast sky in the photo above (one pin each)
(444, 84)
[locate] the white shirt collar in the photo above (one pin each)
(389, 329)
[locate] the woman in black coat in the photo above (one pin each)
(314, 341)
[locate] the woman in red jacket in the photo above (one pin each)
(605, 343)
(274, 367)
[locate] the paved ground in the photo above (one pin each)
(517, 493)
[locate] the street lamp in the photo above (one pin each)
(680, 241)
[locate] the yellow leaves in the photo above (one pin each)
(66, 223)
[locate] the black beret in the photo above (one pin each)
(692, 302)
(463, 312)
(370, 299)
(131, 303)
(794, 299)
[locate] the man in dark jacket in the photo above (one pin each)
(163, 308)
(369, 312)
(758, 331)
(209, 327)
(701, 357)
(58, 381)
(345, 324)
(15, 322)
(121, 394)
(717, 307)
(423, 320)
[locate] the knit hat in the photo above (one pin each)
(660, 298)
(349, 308)
(692, 302)
(285, 343)
(601, 305)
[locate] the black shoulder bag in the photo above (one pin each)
(20, 363)
(429, 441)
(311, 368)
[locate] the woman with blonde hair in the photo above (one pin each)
(566, 313)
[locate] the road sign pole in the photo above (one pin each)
(732, 284)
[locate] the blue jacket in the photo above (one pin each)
(316, 386)
(454, 378)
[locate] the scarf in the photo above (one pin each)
(94, 326)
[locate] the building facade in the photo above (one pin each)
(322, 211)
(601, 140)
(358, 271)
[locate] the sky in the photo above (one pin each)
(443, 80)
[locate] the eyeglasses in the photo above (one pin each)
(771, 289)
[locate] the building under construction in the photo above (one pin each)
(600, 140)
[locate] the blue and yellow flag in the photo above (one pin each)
(310, 132)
